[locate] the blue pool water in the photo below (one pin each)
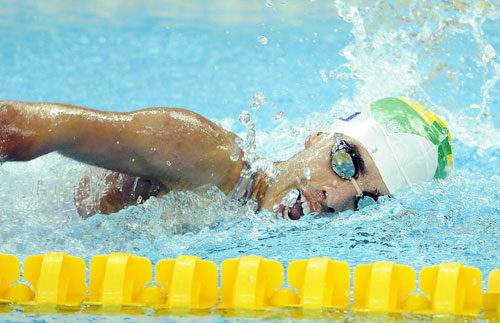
(313, 62)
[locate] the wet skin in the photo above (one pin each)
(149, 152)
(323, 189)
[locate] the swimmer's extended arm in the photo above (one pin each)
(177, 147)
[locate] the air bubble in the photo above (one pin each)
(169, 163)
(374, 149)
(262, 40)
(268, 4)
(334, 183)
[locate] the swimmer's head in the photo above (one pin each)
(407, 143)
(392, 145)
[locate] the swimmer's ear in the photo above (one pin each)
(312, 139)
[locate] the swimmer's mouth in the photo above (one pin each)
(296, 207)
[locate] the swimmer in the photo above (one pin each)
(149, 152)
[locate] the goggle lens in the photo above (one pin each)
(343, 166)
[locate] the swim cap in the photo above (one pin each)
(407, 143)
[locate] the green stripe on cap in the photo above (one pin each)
(404, 116)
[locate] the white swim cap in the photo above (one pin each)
(407, 143)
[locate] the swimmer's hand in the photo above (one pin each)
(22, 137)
(177, 147)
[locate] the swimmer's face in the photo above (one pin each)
(309, 175)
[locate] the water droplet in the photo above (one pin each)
(374, 149)
(307, 173)
(235, 156)
(251, 279)
(279, 115)
(117, 142)
(133, 160)
(245, 117)
(269, 4)
(252, 206)
(334, 183)
(488, 52)
(262, 40)
(169, 163)
(290, 198)
(324, 78)
(139, 199)
(257, 100)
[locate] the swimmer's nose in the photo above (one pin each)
(338, 196)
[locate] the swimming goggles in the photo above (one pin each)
(344, 166)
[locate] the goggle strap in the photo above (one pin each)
(358, 190)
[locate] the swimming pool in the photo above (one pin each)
(312, 66)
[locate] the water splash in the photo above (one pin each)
(248, 143)
(436, 54)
